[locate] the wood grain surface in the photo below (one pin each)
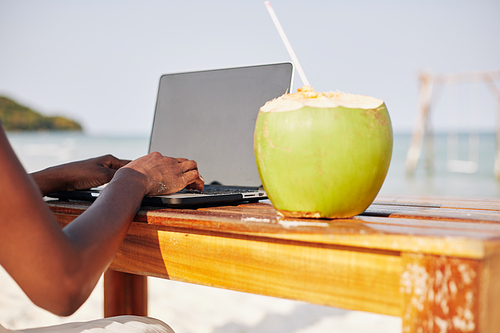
(431, 260)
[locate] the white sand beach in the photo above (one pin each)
(195, 309)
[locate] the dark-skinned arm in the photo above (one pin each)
(58, 268)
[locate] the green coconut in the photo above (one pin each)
(323, 155)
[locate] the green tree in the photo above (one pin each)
(16, 117)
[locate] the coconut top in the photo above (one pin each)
(306, 96)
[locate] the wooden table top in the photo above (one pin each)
(465, 227)
(379, 261)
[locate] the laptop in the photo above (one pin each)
(209, 116)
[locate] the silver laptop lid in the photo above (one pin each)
(209, 116)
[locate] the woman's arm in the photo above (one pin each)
(58, 268)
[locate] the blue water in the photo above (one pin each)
(40, 150)
(442, 181)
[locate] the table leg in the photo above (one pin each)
(125, 294)
(443, 294)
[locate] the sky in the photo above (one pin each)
(99, 62)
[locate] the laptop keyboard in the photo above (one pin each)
(219, 190)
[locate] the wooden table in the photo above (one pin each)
(434, 261)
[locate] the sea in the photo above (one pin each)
(39, 150)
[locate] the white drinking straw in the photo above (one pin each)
(287, 43)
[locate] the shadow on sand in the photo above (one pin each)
(301, 317)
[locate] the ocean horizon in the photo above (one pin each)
(39, 150)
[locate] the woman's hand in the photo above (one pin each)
(78, 175)
(166, 175)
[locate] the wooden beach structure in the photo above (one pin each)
(431, 87)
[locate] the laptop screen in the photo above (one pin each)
(209, 116)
